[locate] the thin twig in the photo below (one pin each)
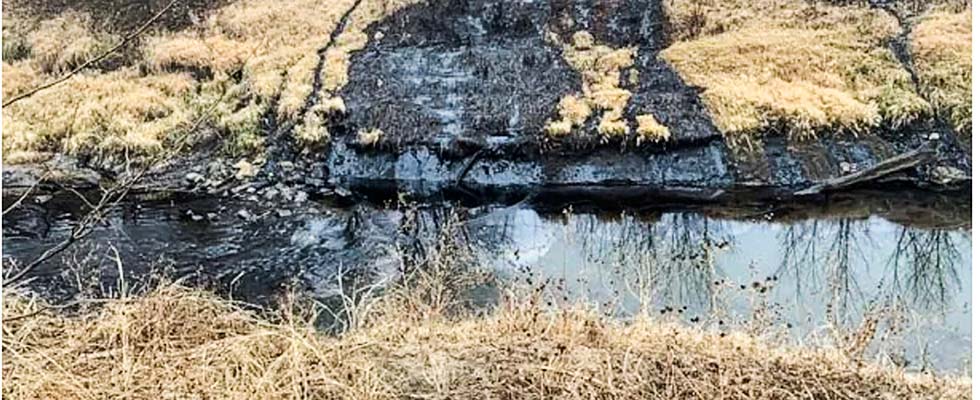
(98, 58)
(26, 193)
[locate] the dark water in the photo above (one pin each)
(794, 274)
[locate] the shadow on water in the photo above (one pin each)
(812, 274)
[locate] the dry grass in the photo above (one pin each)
(941, 45)
(19, 77)
(312, 131)
(109, 116)
(649, 129)
(178, 343)
(102, 115)
(805, 69)
(53, 45)
(187, 51)
(61, 43)
(273, 44)
(600, 67)
(368, 138)
(17, 25)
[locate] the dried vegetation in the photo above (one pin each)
(228, 69)
(110, 115)
(600, 67)
(807, 68)
(941, 47)
(178, 343)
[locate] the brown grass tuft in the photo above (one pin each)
(312, 132)
(941, 47)
(369, 137)
(182, 50)
(600, 67)
(179, 343)
(648, 129)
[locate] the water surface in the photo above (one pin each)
(810, 275)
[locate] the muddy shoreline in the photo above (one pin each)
(461, 93)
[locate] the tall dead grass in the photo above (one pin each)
(106, 115)
(803, 69)
(415, 337)
(180, 343)
(941, 48)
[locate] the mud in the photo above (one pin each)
(463, 89)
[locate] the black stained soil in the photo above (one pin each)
(460, 76)
(121, 16)
(463, 89)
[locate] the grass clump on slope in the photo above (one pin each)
(801, 68)
(600, 67)
(941, 46)
(179, 343)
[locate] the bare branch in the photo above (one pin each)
(27, 193)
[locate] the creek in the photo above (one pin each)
(794, 273)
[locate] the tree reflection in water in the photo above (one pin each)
(821, 258)
(839, 274)
(924, 268)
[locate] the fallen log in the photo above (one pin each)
(889, 166)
